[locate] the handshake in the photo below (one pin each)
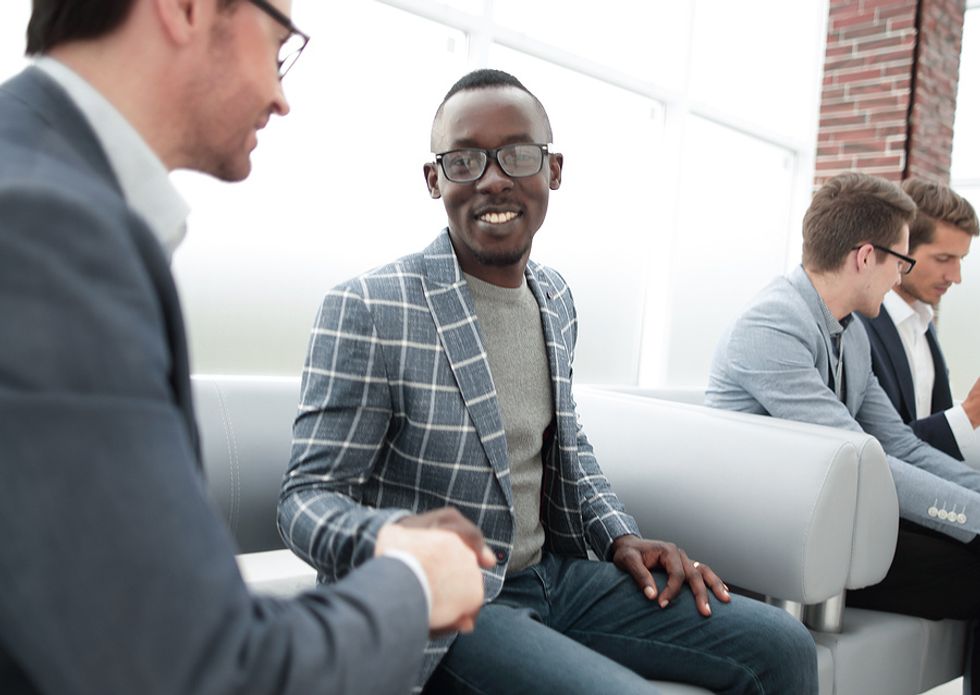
(451, 551)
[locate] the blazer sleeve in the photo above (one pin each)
(345, 407)
(935, 430)
(119, 577)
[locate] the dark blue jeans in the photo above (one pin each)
(574, 626)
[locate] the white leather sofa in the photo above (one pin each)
(794, 512)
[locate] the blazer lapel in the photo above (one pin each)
(942, 397)
(453, 312)
(558, 358)
(884, 327)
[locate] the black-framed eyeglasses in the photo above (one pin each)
(469, 164)
(292, 47)
(905, 263)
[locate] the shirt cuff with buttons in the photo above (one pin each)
(417, 570)
(966, 437)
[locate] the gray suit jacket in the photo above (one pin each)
(399, 415)
(776, 360)
(116, 575)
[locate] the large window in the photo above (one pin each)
(958, 319)
(688, 129)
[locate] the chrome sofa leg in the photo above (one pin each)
(827, 616)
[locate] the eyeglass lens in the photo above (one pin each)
(515, 160)
(289, 52)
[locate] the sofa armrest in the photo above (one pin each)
(794, 511)
(276, 573)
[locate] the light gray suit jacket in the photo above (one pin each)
(116, 573)
(777, 360)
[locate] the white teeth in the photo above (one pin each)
(498, 217)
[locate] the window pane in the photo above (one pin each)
(648, 39)
(13, 27)
(731, 239)
(760, 61)
(602, 223)
(336, 186)
(966, 130)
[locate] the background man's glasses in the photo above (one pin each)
(294, 44)
(905, 263)
(469, 164)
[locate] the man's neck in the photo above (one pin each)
(908, 298)
(149, 118)
(835, 292)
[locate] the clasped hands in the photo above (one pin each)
(451, 551)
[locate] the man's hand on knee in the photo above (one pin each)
(637, 556)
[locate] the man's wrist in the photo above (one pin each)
(416, 567)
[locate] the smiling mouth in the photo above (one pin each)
(501, 217)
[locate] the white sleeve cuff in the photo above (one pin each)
(964, 434)
(416, 568)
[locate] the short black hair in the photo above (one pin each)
(484, 78)
(488, 78)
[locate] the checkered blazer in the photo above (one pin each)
(399, 415)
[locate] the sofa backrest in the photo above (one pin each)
(246, 429)
(801, 512)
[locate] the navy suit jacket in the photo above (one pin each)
(894, 373)
(116, 573)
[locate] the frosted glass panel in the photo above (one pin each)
(336, 188)
(470, 6)
(758, 60)
(957, 323)
(602, 224)
(13, 27)
(731, 239)
(966, 128)
(646, 38)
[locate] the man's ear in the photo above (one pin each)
(555, 162)
(179, 18)
(865, 256)
(431, 172)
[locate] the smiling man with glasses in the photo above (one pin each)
(117, 576)
(797, 353)
(438, 393)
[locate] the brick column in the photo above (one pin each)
(889, 88)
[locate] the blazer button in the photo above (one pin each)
(943, 514)
(961, 517)
(933, 511)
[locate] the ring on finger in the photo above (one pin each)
(696, 564)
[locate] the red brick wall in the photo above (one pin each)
(889, 88)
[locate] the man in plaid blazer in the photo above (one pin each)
(437, 391)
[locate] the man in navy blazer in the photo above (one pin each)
(439, 388)
(797, 353)
(905, 351)
(117, 575)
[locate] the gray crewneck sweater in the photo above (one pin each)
(510, 325)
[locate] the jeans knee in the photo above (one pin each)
(793, 656)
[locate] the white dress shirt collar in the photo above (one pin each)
(144, 179)
(901, 311)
